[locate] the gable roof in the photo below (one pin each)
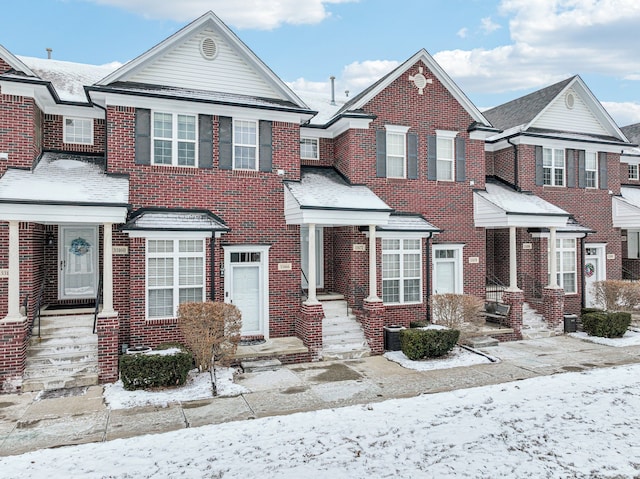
(534, 113)
(208, 20)
(361, 99)
(14, 62)
(632, 132)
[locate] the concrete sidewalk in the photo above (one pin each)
(29, 422)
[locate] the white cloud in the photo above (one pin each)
(624, 113)
(488, 26)
(551, 40)
(259, 14)
(462, 33)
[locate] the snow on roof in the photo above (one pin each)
(68, 78)
(324, 188)
(407, 222)
(174, 220)
(514, 202)
(630, 195)
(563, 135)
(64, 178)
(321, 102)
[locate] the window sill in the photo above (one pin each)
(161, 321)
(245, 173)
(401, 305)
(185, 170)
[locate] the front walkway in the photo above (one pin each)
(28, 423)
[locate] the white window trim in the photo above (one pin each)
(596, 176)
(256, 145)
(175, 254)
(554, 168)
(559, 264)
(446, 135)
(174, 139)
(636, 176)
(76, 141)
(633, 244)
(317, 142)
(397, 130)
(401, 278)
(457, 260)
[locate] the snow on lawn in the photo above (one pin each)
(457, 357)
(630, 338)
(567, 425)
(198, 386)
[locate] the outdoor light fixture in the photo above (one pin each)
(49, 239)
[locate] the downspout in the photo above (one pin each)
(583, 281)
(428, 250)
(213, 267)
(515, 164)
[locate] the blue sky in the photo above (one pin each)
(496, 50)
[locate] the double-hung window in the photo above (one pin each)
(566, 264)
(553, 166)
(401, 271)
(174, 139)
(309, 149)
(446, 158)
(245, 144)
(633, 172)
(396, 151)
(175, 275)
(591, 169)
(78, 130)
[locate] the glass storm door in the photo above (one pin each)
(593, 271)
(78, 262)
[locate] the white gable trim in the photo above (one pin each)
(208, 19)
(15, 63)
(592, 103)
(54, 214)
(489, 215)
(440, 74)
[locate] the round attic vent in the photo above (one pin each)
(208, 48)
(570, 100)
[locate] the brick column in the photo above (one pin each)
(553, 307)
(13, 353)
(372, 319)
(107, 328)
(309, 327)
(515, 299)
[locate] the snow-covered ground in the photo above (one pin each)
(630, 338)
(567, 425)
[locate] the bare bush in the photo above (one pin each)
(616, 295)
(211, 331)
(454, 310)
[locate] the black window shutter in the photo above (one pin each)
(205, 141)
(539, 168)
(225, 147)
(582, 175)
(571, 168)
(602, 164)
(381, 153)
(143, 137)
(432, 158)
(461, 152)
(412, 156)
(266, 145)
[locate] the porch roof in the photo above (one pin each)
(499, 206)
(64, 188)
(408, 222)
(323, 196)
(625, 210)
(163, 219)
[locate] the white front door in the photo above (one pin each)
(447, 269)
(246, 286)
(594, 270)
(304, 256)
(78, 252)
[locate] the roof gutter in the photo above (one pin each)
(515, 165)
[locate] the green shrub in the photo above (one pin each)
(584, 311)
(427, 343)
(418, 324)
(606, 325)
(149, 370)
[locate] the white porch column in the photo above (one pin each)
(13, 293)
(553, 266)
(311, 280)
(373, 266)
(513, 260)
(107, 272)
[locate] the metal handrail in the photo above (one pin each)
(38, 307)
(530, 285)
(96, 308)
(497, 289)
(629, 275)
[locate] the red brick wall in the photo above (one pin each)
(17, 124)
(4, 66)
(54, 134)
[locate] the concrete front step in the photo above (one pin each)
(259, 365)
(68, 357)
(536, 334)
(482, 342)
(45, 384)
(61, 370)
(334, 353)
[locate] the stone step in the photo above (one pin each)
(536, 334)
(482, 342)
(46, 384)
(58, 344)
(259, 365)
(330, 296)
(67, 357)
(61, 370)
(332, 354)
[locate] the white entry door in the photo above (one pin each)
(246, 286)
(78, 262)
(304, 256)
(594, 270)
